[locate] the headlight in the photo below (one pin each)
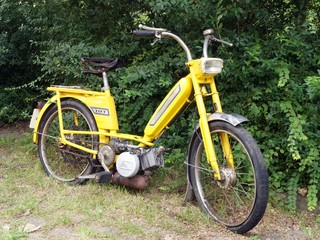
(211, 65)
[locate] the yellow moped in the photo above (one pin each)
(78, 139)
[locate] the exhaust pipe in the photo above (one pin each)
(139, 182)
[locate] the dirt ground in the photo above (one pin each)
(276, 223)
(14, 128)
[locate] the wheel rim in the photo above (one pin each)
(64, 162)
(230, 203)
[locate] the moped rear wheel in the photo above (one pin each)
(239, 200)
(64, 162)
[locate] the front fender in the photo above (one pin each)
(232, 118)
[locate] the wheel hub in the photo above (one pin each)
(228, 178)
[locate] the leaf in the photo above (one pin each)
(29, 228)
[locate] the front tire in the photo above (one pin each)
(66, 163)
(239, 201)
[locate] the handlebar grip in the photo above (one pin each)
(143, 33)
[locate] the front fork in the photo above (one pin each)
(205, 130)
(224, 139)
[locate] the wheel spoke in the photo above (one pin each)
(63, 161)
(232, 199)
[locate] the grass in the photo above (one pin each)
(86, 211)
(93, 211)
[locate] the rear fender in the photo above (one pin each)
(43, 110)
(103, 121)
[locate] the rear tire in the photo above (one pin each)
(66, 163)
(238, 202)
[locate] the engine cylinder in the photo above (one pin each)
(128, 164)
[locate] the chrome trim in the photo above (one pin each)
(164, 107)
(232, 118)
(181, 43)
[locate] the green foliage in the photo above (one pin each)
(271, 75)
(11, 108)
(313, 87)
(279, 69)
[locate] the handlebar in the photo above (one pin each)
(213, 38)
(146, 31)
(152, 28)
(161, 32)
(143, 33)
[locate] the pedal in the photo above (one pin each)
(103, 177)
(99, 177)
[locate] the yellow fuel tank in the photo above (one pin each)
(175, 101)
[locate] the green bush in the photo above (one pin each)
(271, 75)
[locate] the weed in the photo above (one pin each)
(313, 232)
(93, 211)
(13, 235)
(254, 238)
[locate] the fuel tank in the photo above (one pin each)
(176, 100)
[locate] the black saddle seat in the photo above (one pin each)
(100, 65)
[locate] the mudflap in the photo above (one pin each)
(189, 195)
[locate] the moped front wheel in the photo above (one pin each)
(60, 161)
(240, 198)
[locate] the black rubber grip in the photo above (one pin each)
(143, 33)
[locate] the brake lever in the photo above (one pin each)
(155, 41)
(213, 38)
(157, 38)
